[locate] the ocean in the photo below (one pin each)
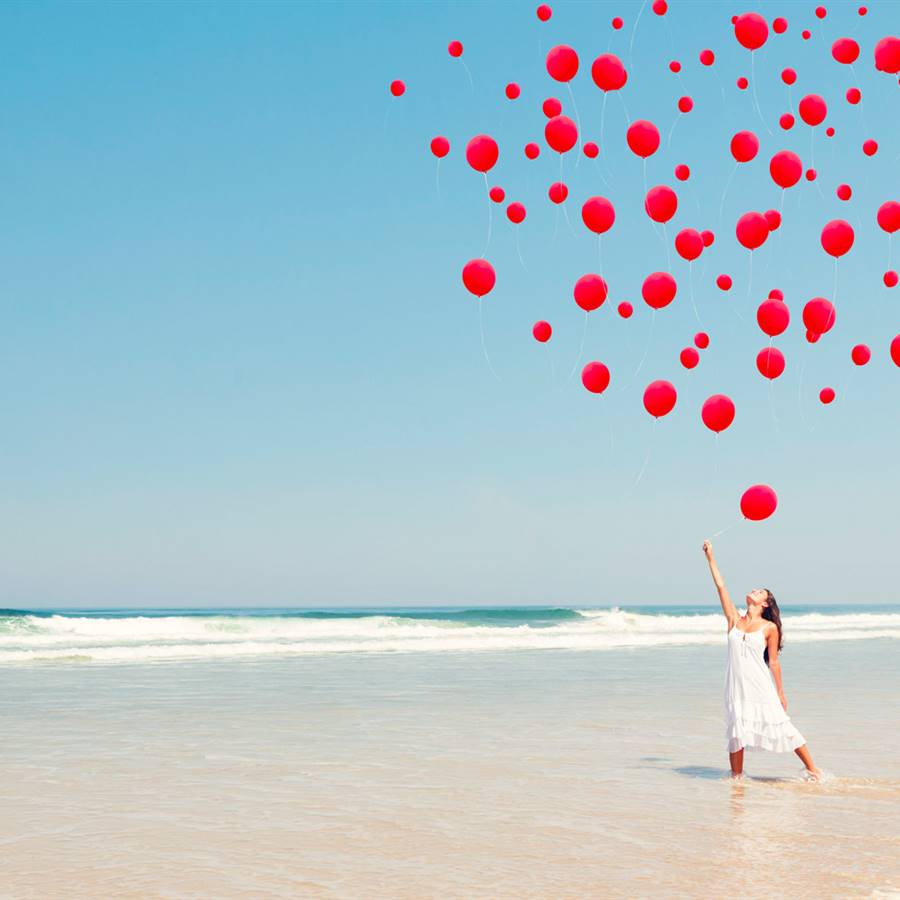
(399, 753)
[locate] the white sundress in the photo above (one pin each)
(754, 716)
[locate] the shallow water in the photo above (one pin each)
(464, 774)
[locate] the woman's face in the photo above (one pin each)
(758, 597)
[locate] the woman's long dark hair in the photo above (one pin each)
(773, 614)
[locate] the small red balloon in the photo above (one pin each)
(590, 292)
(870, 147)
(853, 95)
(701, 340)
(821, 12)
(591, 150)
(595, 377)
(440, 147)
(479, 277)
(455, 48)
(544, 12)
(770, 362)
(659, 289)
(773, 219)
(837, 237)
(497, 194)
(659, 398)
(482, 152)
(398, 88)
(542, 331)
(707, 57)
(826, 395)
(888, 216)
(844, 192)
(742, 83)
(860, 354)
(661, 203)
(551, 107)
(515, 212)
(717, 412)
(689, 357)
(598, 214)
(890, 278)
(723, 282)
(660, 7)
(617, 23)
(744, 146)
(513, 90)
(532, 150)
(558, 192)
(758, 502)
(708, 238)
(786, 121)
(643, 138)
(625, 309)
(806, 34)
(788, 76)
(675, 66)
(779, 25)
(682, 172)
(811, 174)
(685, 104)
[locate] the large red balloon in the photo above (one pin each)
(813, 110)
(479, 277)
(661, 203)
(895, 350)
(689, 244)
(440, 146)
(889, 216)
(773, 316)
(643, 138)
(751, 30)
(770, 362)
(837, 237)
(659, 289)
(845, 51)
(482, 152)
(595, 377)
(590, 292)
(598, 214)
(562, 63)
(744, 146)
(758, 502)
(818, 315)
(608, 72)
(785, 168)
(717, 412)
(561, 133)
(752, 229)
(887, 55)
(659, 398)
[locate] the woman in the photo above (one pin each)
(755, 707)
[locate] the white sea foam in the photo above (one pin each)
(125, 639)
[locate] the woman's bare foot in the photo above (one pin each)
(814, 774)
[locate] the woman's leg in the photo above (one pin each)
(737, 762)
(806, 759)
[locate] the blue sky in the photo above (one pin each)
(239, 367)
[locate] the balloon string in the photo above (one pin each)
(600, 253)
(483, 344)
(725, 191)
(727, 528)
(624, 107)
(577, 121)
(772, 395)
(487, 194)
(608, 417)
(568, 220)
(437, 179)
(753, 88)
(581, 348)
(800, 391)
(750, 275)
(691, 286)
(647, 455)
(672, 131)
(666, 245)
(468, 74)
(519, 250)
(646, 348)
(834, 290)
(634, 32)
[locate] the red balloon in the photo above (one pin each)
(786, 121)
(724, 282)
(482, 153)
(532, 150)
(860, 354)
(561, 134)
(826, 395)
(551, 107)
(887, 55)
(608, 72)
(844, 192)
(845, 51)
(659, 398)
(717, 412)
(708, 238)
(758, 502)
(617, 22)
(590, 292)
(479, 277)
(837, 237)
(821, 12)
(776, 294)
(542, 331)
(497, 194)
(773, 218)
(744, 146)
(661, 203)
(895, 350)
(689, 357)
(689, 244)
(811, 174)
(591, 150)
(853, 95)
(788, 76)
(870, 147)
(770, 362)
(675, 66)
(643, 138)
(785, 168)
(515, 212)
(779, 25)
(888, 216)
(595, 377)
(685, 104)
(701, 340)
(891, 278)
(813, 336)
(598, 214)
(707, 57)
(819, 315)
(558, 192)
(751, 30)
(752, 229)
(742, 83)
(812, 110)
(455, 48)
(544, 12)
(659, 289)
(398, 88)
(682, 172)
(660, 7)
(562, 63)
(440, 147)
(513, 90)
(625, 309)
(773, 316)
(806, 34)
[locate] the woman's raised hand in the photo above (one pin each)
(707, 549)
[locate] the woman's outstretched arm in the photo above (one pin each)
(775, 665)
(727, 606)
